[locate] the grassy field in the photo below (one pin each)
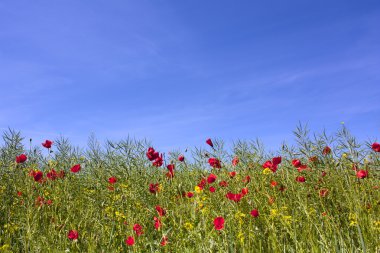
(320, 195)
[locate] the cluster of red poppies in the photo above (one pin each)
(154, 157)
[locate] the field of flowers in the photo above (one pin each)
(320, 195)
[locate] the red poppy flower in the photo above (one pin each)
(181, 158)
(326, 150)
(211, 178)
(112, 180)
(219, 223)
(38, 175)
(158, 161)
(273, 183)
(232, 174)
(234, 197)
(171, 168)
(138, 229)
(49, 202)
(152, 154)
(376, 147)
(189, 194)
(324, 173)
(296, 163)
(223, 183)
(153, 188)
(40, 201)
(212, 189)
(214, 162)
(255, 213)
(209, 142)
(362, 174)
(267, 164)
(276, 160)
(235, 161)
(164, 241)
(157, 223)
(19, 193)
(323, 192)
(21, 158)
(76, 168)
(161, 211)
(272, 165)
(72, 235)
(244, 191)
(130, 241)
(202, 183)
(47, 144)
(52, 174)
(247, 179)
(302, 168)
(300, 179)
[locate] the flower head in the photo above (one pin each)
(130, 241)
(52, 174)
(300, 179)
(47, 144)
(72, 235)
(138, 229)
(112, 180)
(326, 150)
(255, 213)
(296, 163)
(181, 158)
(76, 168)
(158, 161)
(151, 154)
(235, 161)
(21, 158)
(209, 142)
(211, 178)
(219, 223)
(214, 162)
(376, 147)
(161, 211)
(153, 188)
(362, 174)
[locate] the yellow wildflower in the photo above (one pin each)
(376, 225)
(273, 213)
(197, 189)
(267, 171)
(188, 226)
(353, 219)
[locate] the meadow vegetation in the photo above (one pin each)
(321, 194)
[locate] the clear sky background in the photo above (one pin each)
(178, 72)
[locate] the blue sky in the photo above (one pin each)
(178, 72)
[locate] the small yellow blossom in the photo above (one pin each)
(273, 213)
(188, 226)
(197, 189)
(376, 225)
(287, 219)
(267, 171)
(353, 219)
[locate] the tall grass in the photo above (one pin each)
(332, 211)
